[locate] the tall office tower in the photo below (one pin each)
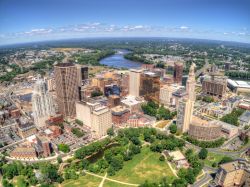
(101, 120)
(178, 72)
(50, 84)
(190, 85)
(184, 114)
(82, 74)
(166, 94)
(186, 105)
(42, 103)
(134, 82)
(66, 88)
(150, 86)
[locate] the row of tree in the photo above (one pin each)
(205, 144)
(232, 118)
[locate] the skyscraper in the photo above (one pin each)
(178, 72)
(134, 82)
(42, 103)
(82, 74)
(186, 105)
(190, 85)
(184, 114)
(149, 86)
(66, 88)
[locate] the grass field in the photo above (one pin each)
(87, 180)
(212, 157)
(113, 184)
(144, 166)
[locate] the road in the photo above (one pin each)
(204, 180)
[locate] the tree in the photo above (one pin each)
(179, 183)
(173, 128)
(59, 159)
(110, 132)
(208, 99)
(225, 159)
(96, 93)
(203, 153)
(64, 148)
(111, 171)
(6, 183)
(162, 158)
(117, 162)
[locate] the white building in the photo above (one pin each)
(186, 105)
(42, 103)
(134, 82)
(133, 103)
(84, 111)
(101, 120)
(166, 97)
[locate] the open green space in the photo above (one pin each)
(113, 184)
(144, 166)
(213, 158)
(87, 180)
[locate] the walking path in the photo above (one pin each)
(113, 180)
(103, 179)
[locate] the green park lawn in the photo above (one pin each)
(213, 157)
(113, 184)
(144, 166)
(87, 180)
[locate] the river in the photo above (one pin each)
(118, 61)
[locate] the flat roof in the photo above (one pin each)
(239, 84)
(245, 116)
(131, 100)
(177, 155)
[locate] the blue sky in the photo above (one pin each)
(37, 20)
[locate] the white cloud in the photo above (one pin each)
(38, 31)
(138, 27)
(102, 29)
(184, 27)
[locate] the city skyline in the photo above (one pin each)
(28, 21)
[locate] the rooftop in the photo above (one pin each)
(235, 165)
(177, 155)
(119, 110)
(131, 100)
(245, 117)
(240, 84)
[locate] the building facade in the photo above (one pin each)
(120, 115)
(42, 103)
(203, 130)
(67, 90)
(186, 105)
(214, 86)
(178, 72)
(149, 86)
(101, 120)
(236, 173)
(134, 82)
